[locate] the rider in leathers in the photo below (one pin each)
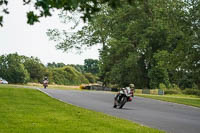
(128, 91)
(45, 82)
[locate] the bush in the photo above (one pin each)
(91, 78)
(68, 76)
(191, 92)
(162, 86)
(194, 86)
(172, 91)
(174, 86)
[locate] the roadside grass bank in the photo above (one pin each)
(50, 86)
(25, 110)
(190, 100)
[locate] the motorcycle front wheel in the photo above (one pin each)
(122, 102)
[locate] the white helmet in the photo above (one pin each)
(131, 85)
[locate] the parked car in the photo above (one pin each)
(3, 81)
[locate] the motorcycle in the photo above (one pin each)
(122, 97)
(45, 84)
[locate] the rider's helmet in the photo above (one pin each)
(45, 78)
(132, 86)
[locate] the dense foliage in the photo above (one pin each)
(152, 43)
(44, 8)
(54, 65)
(147, 43)
(91, 66)
(68, 76)
(34, 67)
(21, 69)
(12, 69)
(90, 77)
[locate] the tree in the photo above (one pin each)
(4, 10)
(12, 69)
(139, 35)
(35, 68)
(53, 64)
(44, 8)
(157, 36)
(91, 66)
(94, 33)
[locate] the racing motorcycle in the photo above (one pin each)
(123, 96)
(45, 83)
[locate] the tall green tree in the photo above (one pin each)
(162, 37)
(91, 66)
(12, 69)
(35, 68)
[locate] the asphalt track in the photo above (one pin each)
(171, 117)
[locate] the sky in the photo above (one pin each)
(17, 36)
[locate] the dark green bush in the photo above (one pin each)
(191, 92)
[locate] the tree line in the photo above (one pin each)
(21, 69)
(149, 43)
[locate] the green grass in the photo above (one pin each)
(24, 110)
(50, 86)
(181, 99)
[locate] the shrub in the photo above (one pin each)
(68, 76)
(91, 78)
(162, 86)
(172, 91)
(174, 86)
(194, 86)
(191, 92)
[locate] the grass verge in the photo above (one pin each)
(24, 110)
(181, 99)
(50, 86)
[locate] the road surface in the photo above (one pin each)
(171, 117)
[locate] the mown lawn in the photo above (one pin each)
(181, 99)
(25, 110)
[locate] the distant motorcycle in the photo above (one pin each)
(123, 96)
(45, 83)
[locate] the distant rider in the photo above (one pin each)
(45, 82)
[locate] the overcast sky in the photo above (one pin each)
(17, 36)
